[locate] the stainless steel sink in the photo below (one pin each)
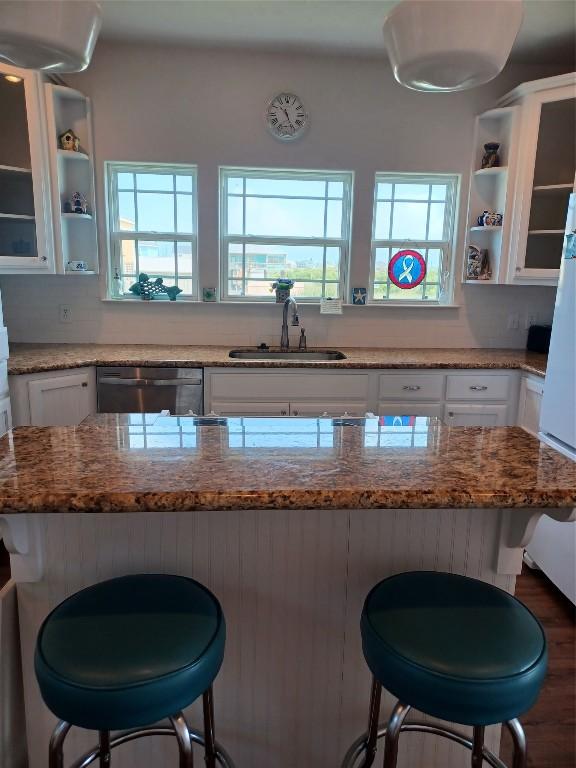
(317, 355)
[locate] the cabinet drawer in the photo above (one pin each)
(282, 385)
(478, 386)
(411, 386)
(329, 408)
(239, 409)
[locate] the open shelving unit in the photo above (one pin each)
(75, 234)
(491, 189)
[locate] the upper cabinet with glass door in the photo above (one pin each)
(25, 219)
(545, 177)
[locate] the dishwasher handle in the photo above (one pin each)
(149, 382)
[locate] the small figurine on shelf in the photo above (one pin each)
(147, 288)
(282, 286)
(77, 203)
(490, 219)
(477, 264)
(491, 158)
(69, 141)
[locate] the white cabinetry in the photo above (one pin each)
(26, 241)
(476, 415)
(530, 402)
(62, 398)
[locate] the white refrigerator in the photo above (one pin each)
(553, 546)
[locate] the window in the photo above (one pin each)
(415, 214)
(152, 226)
(292, 224)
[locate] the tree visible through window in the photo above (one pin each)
(293, 224)
(152, 225)
(412, 214)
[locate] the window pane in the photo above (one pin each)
(286, 187)
(235, 216)
(384, 191)
(157, 258)
(334, 218)
(156, 182)
(439, 191)
(335, 189)
(333, 258)
(382, 228)
(409, 221)
(184, 255)
(125, 180)
(411, 191)
(432, 291)
(184, 213)
(436, 225)
(183, 183)
(235, 186)
(290, 218)
(128, 257)
(381, 265)
(332, 291)
(434, 261)
(126, 215)
(155, 212)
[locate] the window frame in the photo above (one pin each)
(115, 236)
(447, 246)
(344, 242)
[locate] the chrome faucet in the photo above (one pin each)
(285, 339)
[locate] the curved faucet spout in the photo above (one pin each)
(285, 339)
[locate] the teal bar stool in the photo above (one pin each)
(454, 648)
(127, 653)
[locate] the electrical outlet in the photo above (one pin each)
(513, 321)
(65, 313)
(531, 319)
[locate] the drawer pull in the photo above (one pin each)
(411, 387)
(479, 388)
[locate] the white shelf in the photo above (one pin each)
(16, 216)
(546, 232)
(69, 154)
(84, 216)
(486, 229)
(14, 169)
(491, 171)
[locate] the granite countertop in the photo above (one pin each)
(154, 463)
(35, 358)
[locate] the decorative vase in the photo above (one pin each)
(491, 158)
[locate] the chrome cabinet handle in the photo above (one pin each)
(411, 387)
(479, 388)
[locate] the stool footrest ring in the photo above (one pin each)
(222, 757)
(359, 746)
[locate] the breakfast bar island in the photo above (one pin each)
(290, 522)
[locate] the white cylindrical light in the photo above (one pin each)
(50, 35)
(450, 45)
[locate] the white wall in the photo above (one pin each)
(169, 104)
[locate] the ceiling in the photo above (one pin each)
(548, 32)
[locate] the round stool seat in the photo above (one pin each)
(453, 647)
(130, 651)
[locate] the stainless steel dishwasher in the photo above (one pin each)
(150, 390)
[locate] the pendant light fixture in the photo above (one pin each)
(450, 45)
(49, 35)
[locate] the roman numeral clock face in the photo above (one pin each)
(286, 117)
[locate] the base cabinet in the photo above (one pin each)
(53, 399)
(530, 402)
(247, 408)
(474, 415)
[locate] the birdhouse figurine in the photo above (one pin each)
(69, 141)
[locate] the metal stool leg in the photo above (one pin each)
(478, 747)
(372, 735)
(104, 741)
(184, 741)
(209, 737)
(392, 734)
(519, 739)
(56, 749)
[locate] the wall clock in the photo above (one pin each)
(286, 117)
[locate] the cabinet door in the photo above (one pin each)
(470, 415)
(26, 237)
(60, 401)
(409, 409)
(531, 392)
(248, 408)
(328, 409)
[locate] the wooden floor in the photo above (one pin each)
(551, 724)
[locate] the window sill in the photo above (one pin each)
(372, 305)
